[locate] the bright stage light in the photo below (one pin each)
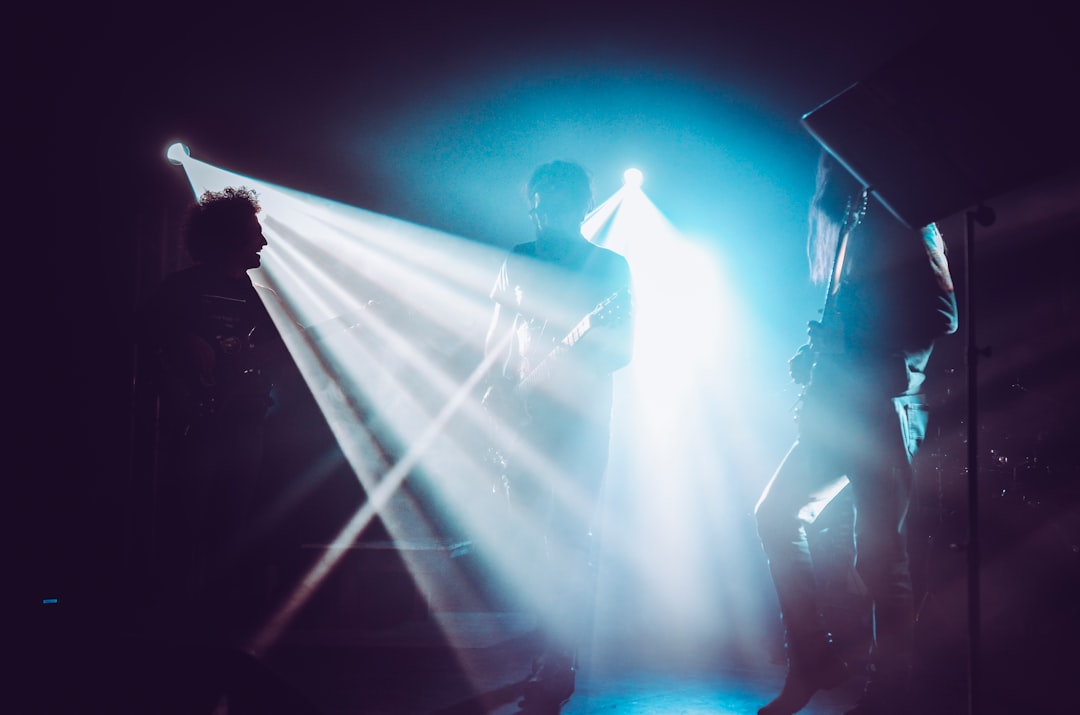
(633, 178)
(177, 152)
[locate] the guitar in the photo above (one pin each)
(244, 360)
(540, 373)
(509, 411)
(199, 376)
(533, 377)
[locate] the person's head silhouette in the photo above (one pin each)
(223, 229)
(560, 194)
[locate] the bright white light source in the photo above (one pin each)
(177, 152)
(633, 178)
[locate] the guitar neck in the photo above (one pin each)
(543, 369)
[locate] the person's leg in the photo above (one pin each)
(575, 489)
(197, 463)
(806, 481)
(178, 499)
(233, 578)
(881, 491)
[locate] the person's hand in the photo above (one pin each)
(801, 365)
(825, 339)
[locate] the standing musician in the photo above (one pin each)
(860, 422)
(216, 350)
(560, 327)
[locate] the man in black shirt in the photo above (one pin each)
(561, 326)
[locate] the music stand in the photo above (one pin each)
(965, 114)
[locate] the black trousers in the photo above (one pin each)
(870, 451)
(554, 494)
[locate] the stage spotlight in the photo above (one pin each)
(177, 152)
(633, 178)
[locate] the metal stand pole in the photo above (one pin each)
(984, 216)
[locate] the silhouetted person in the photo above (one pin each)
(560, 401)
(860, 422)
(215, 348)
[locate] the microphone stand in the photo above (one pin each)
(984, 216)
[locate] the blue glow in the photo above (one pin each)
(48, 601)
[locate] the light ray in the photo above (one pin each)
(385, 321)
(676, 515)
(305, 233)
(348, 283)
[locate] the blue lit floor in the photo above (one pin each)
(410, 669)
(408, 672)
(405, 669)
